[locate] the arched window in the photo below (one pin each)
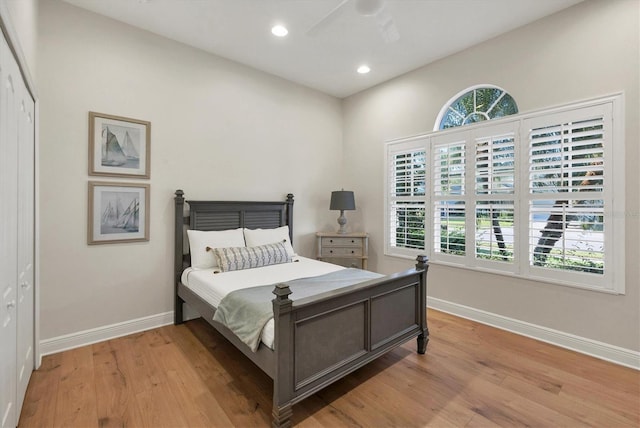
(476, 104)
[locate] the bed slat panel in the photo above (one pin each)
(328, 341)
(216, 220)
(263, 219)
(391, 314)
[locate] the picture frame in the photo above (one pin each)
(119, 146)
(118, 212)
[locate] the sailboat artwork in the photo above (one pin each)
(119, 148)
(120, 213)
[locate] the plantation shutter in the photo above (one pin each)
(449, 191)
(562, 155)
(406, 184)
(495, 226)
(449, 168)
(566, 181)
(495, 164)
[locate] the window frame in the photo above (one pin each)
(473, 91)
(613, 194)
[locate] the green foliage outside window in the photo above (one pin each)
(452, 240)
(478, 105)
(410, 228)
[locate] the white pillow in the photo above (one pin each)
(256, 237)
(199, 240)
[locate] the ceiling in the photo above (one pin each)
(321, 54)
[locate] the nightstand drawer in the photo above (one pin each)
(348, 250)
(341, 242)
(341, 251)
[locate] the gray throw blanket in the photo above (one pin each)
(245, 312)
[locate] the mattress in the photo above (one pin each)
(212, 287)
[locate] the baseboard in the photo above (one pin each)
(604, 351)
(601, 350)
(94, 335)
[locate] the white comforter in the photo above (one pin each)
(212, 287)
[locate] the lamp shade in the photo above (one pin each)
(342, 200)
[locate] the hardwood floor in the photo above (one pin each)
(472, 375)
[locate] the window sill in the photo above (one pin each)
(533, 278)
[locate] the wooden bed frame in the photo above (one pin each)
(371, 317)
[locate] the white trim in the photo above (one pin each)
(16, 48)
(36, 238)
(14, 42)
(619, 184)
(604, 351)
(100, 334)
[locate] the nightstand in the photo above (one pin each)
(347, 249)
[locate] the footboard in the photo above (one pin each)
(320, 339)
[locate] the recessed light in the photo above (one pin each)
(364, 69)
(279, 31)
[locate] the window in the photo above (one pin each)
(566, 191)
(476, 105)
(531, 196)
(406, 197)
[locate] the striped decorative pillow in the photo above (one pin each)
(238, 258)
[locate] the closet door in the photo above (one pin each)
(25, 299)
(8, 235)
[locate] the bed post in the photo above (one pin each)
(423, 265)
(178, 256)
(290, 216)
(283, 374)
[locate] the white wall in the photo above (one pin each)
(222, 130)
(219, 130)
(589, 50)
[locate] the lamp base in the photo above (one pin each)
(342, 221)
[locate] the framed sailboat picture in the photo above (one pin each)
(119, 146)
(118, 212)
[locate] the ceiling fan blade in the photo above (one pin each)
(387, 26)
(369, 7)
(327, 19)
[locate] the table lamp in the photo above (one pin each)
(342, 200)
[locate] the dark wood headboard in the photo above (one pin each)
(222, 215)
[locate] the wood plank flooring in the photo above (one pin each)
(472, 376)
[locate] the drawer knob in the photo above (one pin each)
(352, 251)
(331, 251)
(353, 241)
(331, 240)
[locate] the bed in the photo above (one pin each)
(372, 317)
